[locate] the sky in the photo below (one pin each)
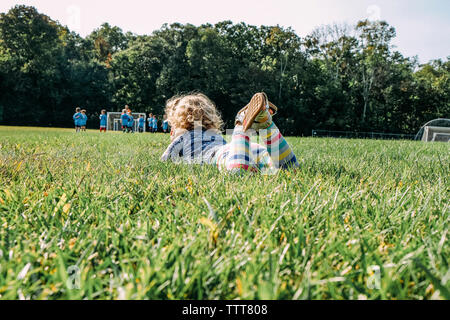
(423, 26)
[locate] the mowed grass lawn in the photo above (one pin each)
(98, 216)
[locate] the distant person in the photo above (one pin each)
(130, 123)
(165, 125)
(84, 119)
(155, 124)
(103, 121)
(124, 120)
(77, 119)
(141, 124)
(150, 123)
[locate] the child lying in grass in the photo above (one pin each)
(196, 136)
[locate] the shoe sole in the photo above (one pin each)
(256, 105)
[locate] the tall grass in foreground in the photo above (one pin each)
(360, 219)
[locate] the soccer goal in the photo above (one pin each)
(435, 134)
(435, 131)
(114, 123)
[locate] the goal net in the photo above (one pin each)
(114, 123)
(435, 131)
(432, 134)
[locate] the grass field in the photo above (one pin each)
(360, 219)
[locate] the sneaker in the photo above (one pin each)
(257, 114)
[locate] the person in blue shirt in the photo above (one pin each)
(83, 121)
(141, 123)
(165, 125)
(76, 119)
(130, 125)
(103, 121)
(155, 124)
(124, 119)
(150, 122)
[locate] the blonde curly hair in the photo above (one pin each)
(185, 111)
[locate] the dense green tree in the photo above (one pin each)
(30, 52)
(135, 72)
(107, 40)
(339, 77)
(432, 91)
(374, 49)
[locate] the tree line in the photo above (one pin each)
(339, 77)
